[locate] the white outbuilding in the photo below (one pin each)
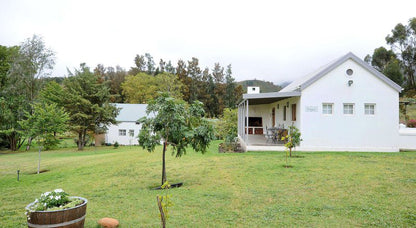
(126, 130)
(345, 105)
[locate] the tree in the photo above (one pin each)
(150, 64)
(26, 66)
(43, 123)
(227, 126)
(194, 73)
(87, 103)
(177, 124)
(10, 106)
(33, 62)
(142, 87)
(402, 42)
(393, 71)
(230, 86)
(386, 62)
(182, 73)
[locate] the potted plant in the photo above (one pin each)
(56, 209)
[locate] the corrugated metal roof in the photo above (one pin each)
(130, 112)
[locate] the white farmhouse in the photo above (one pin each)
(344, 106)
(126, 130)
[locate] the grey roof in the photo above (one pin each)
(267, 98)
(309, 79)
(130, 112)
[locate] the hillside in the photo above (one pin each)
(265, 87)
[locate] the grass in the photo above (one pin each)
(220, 190)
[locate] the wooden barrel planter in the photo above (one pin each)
(67, 218)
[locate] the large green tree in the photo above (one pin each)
(386, 62)
(177, 124)
(24, 67)
(86, 100)
(403, 42)
(142, 88)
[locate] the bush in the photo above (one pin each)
(227, 125)
(411, 123)
(116, 145)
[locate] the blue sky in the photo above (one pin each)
(270, 40)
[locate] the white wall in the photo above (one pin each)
(407, 138)
(112, 135)
(265, 111)
(357, 132)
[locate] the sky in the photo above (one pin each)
(275, 41)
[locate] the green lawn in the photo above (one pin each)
(220, 190)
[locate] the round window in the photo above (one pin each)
(349, 72)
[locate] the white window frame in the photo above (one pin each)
(368, 111)
(131, 132)
(122, 132)
(344, 109)
(325, 109)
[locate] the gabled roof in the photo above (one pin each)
(130, 112)
(309, 79)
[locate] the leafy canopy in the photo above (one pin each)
(176, 123)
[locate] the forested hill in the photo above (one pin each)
(265, 87)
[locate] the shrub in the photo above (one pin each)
(411, 123)
(116, 145)
(227, 126)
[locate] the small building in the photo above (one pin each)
(345, 105)
(126, 130)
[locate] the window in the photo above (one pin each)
(284, 113)
(131, 133)
(349, 109)
(327, 109)
(293, 112)
(369, 109)
(122, 132)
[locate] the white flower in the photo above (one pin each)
(50, 197)
(58, 190)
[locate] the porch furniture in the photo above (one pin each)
(276, 134)
(270, 135)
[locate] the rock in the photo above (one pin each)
(108, 222)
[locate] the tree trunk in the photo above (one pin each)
(164, 163)
(39, 160)
(162, 213)
(80, 141)
(29, 143)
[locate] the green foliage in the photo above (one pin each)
(164, 202)
(402, 42)
(87, 103)
(226, 127)
(48, 200)
(116, 145)
(142, 87)
(177, 124)
(292, 139)
(45, 121)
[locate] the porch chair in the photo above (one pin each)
(269, 134)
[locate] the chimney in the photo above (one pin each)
(253, 89)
